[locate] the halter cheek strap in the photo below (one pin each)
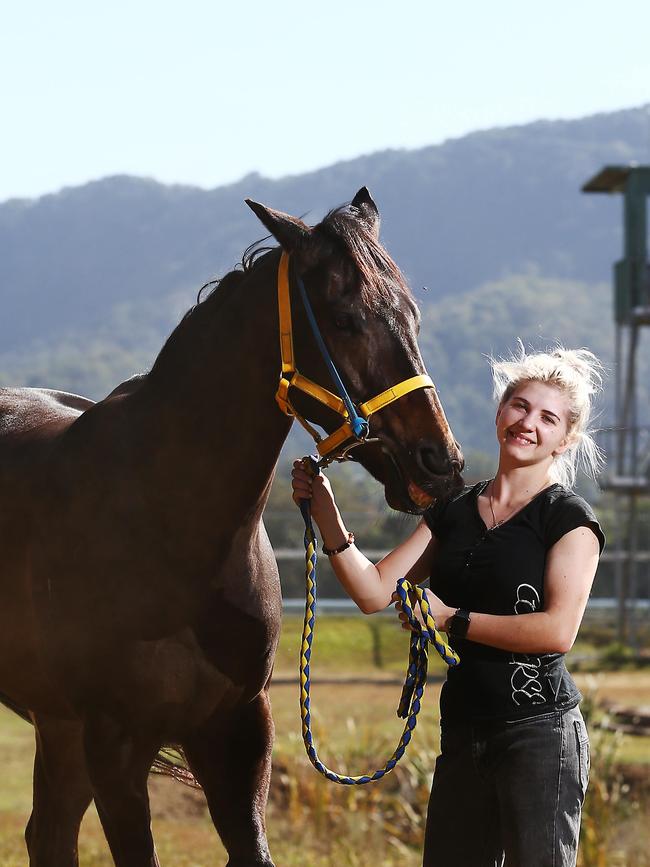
(355, 427)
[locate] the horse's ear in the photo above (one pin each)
(368, 210)
(290, 232)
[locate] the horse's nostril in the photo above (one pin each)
(437, 462)
(433, 461)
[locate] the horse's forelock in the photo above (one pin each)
(381, 281)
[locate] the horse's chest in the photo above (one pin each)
(175, 683)
(172, 684)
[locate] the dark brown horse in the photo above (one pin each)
(140, 601)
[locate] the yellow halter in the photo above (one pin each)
(338, 443)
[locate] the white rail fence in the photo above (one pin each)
(346, 606)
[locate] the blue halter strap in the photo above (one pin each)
(359, 425)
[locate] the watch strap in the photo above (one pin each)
(459, 623)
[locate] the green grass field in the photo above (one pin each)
(313, 822)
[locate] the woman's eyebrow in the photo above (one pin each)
(547, 411)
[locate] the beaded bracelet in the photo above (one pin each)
(331, 551)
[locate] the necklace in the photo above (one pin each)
(518, 508)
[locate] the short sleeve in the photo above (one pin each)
(433, 516)
(444, 512)
(567, 514)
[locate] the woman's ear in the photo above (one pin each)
(566, 443)
(496, 421)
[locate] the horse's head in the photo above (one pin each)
(369, 321)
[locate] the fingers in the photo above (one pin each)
(301, 483)
(406, 624)
(305, 486)
(299, 470)
(404, 620)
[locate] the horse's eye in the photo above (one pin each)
(343, 321)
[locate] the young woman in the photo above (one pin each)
(511, 562)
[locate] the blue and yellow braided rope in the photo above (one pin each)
(416, 675)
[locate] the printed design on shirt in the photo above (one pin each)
(525, 678)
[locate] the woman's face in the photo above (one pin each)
(532, 425)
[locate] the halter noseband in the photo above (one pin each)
(355, 427)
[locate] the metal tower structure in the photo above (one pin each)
(627, 443)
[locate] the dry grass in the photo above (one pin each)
(313, 822)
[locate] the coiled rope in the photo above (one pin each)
(416, 674)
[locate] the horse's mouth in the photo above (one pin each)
(419, 497)
(405, 495)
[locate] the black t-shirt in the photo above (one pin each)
(501, 571)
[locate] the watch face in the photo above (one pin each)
(459, 624)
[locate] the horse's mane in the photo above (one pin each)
(380, 280)
(378, 274)
(250, 257)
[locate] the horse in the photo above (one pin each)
(141, 601)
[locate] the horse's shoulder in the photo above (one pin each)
(129, 386)
(23, 409)
(64, 401)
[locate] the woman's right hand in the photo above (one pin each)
(316, 489)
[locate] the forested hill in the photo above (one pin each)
(92, 278)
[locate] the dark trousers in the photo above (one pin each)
(509, 793)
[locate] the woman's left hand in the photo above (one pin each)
(440, 612)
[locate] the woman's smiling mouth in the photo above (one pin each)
(520, 438)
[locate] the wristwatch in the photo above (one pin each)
(459, 623)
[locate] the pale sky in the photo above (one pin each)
(203, 92)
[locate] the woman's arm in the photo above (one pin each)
(370, 586)
(570, 569)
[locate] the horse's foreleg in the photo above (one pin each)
(62, 793)
(232, 761)
(118, 764)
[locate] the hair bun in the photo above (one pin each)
(585, 364)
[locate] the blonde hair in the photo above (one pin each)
(577, 373)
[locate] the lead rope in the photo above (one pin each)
(416, 673)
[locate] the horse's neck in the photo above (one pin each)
(211, 403)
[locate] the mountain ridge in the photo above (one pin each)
(101, 272)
